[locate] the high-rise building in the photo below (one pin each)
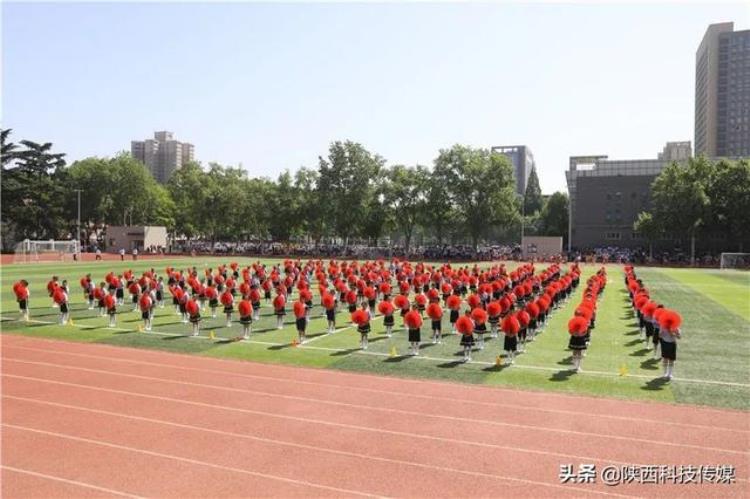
(607, 195)
(522, 160)
(722, 92)
(162, 155)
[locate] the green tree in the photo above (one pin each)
(554, 216)
(680, 200)
(729, 193)
(647, 226)
(404, 195)
(310, 201)
(481, 187)
(33, 198)
(284, 219)
(533, 200)
(189, 190)
(347, 178)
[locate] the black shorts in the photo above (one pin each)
(437, 325)
(195, 318)
(364, 328)
(158, 296)
(213, 303)
(415, 335)
(668, 350)
(145, 315)
(64, 308)
(101, 304)
(301, 324)
(112, 311)
(510, 344)
(577, 342)
(389, 320)
(246, 320)
(352, 307)
(23, 304)
(467, 340)
(228, 309)
(119, 293)
(454, 316)
(330, 314)
(280, 312)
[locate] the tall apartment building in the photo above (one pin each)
(607, 195)
(522, 160)
(722, 92)
(162, 155)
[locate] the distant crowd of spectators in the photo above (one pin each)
(428, 252)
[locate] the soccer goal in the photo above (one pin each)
(45, 251)
(735, 261)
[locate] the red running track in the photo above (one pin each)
(82, 420)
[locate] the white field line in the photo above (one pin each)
(383, 354)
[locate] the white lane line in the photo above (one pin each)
(382, 392)
(372, 407)
(632, 404)
(348, 352)
(188, 460)
(316, 448)
(65, 480)
(323, 422)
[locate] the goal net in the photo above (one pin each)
(45, 251)
(735, 261)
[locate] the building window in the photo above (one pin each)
(614, 236)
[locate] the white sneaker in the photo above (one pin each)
(246, 337)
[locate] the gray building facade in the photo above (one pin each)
(606, 196)
(522, 160)
(162, 155)
(722, 92)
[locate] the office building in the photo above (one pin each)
(522, 160)
(607, 195)
(162, 155)
(722, 92)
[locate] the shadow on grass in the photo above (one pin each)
(398, 358)
(632, 342)
(632, 333)
(568, 361)
(451, 364)
(496, 368)
(174, 337)
(562, 375)
(640, 353)
(655, 384)
(651, 364)
(348, 351)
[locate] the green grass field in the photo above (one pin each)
(713, 366)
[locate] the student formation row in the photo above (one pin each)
(516, 303)
(658, 325)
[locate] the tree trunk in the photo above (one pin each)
(692, 248)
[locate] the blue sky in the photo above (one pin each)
(271, 85)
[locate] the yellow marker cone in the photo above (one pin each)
(70, 322)
(498, 361)
(623, 370)
(212, 335)
(393, 353)
(140, 328)
(295, 342)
